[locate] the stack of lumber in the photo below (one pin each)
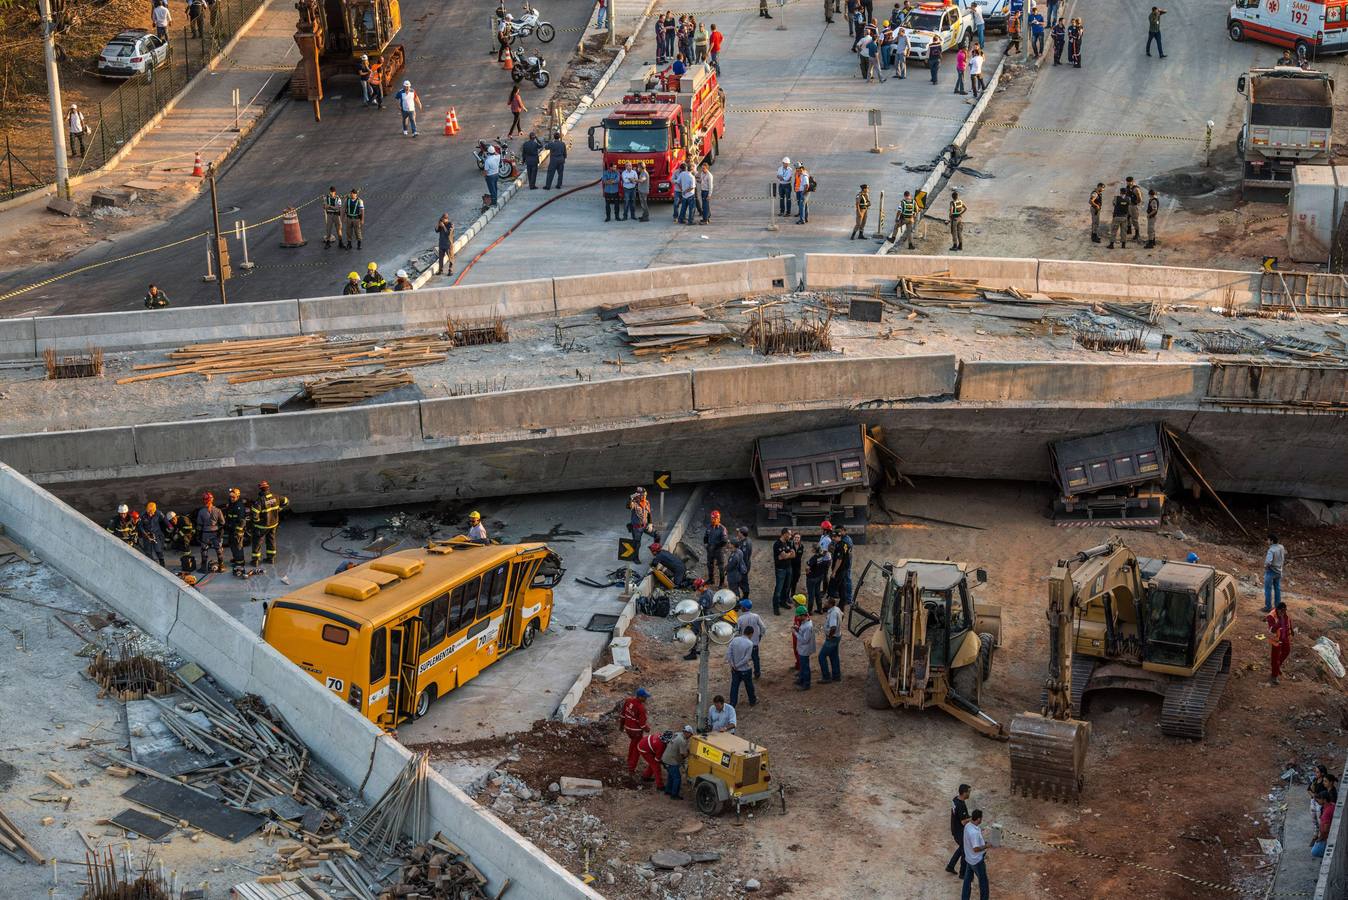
(341, 390)
(267, 358)
(941, 289)
(15, 842)
(674, 324)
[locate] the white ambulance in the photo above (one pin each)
(1309, 27)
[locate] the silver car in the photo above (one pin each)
(132, 52)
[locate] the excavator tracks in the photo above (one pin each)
(1083, 667)
(1189, 701)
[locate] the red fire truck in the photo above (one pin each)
(664, 120)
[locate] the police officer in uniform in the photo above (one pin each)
(1118, 225)
(122, 526)
(1153, 207)
(355, 219)
(957, 210)
(332, 216)
(236, 528)
(863, 209)
(1097, 202)
(155, 298)
(265, 515)
(906, 218)
(1134, 206)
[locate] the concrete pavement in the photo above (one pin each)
(793, 93)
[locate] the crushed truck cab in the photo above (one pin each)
(664, 120)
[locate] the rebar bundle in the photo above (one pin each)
(775, 333)
(401, 810)
(79, 365)
(130, 675)
(1103, 337)
(475, 332)
(113, 878)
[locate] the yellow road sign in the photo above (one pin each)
(663, 479)
(627, 549)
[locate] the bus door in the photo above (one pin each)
(521, 573)
(404, 644)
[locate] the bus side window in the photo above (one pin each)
(425, 615)
(439, 614)
(463, 606)
(378, 655)
(493, 590)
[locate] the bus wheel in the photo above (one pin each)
(530, 632)
(423, 703)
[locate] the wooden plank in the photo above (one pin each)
(612, 310)
(663, 315)
(691, 329)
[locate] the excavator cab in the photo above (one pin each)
(1178, 605)
(371, 24)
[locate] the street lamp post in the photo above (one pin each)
(714, 629)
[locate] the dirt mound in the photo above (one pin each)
(547, 751)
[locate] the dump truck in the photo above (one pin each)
(664, 120)
(1115, 479)
(935, 642)
(1289, 120)
(806, 477)
(1118, 621)
(332, 35)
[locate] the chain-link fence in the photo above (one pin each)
(110, 123)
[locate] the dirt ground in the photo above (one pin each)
(867, 791)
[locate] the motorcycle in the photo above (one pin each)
(534, 68)
(530, 25)
(509, 164)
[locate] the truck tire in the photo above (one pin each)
(985, 650)
(965, 681)
(874, 692)
(545, 32)
(714, 152)
(1236, 31)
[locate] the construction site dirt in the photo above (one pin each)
(868, 791)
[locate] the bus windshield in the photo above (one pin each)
(637, 140)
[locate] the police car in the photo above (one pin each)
(947, 23)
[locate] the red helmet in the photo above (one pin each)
(208, 497)
(699, 583)
(655, 546)
(826, 525)
(715, 514)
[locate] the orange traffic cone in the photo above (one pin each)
(290, 229)
(508, 64)
(451, 122)
(197, 170)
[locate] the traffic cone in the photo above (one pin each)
(290, 229)
(197, 170)
(451, 122)
(508, 64)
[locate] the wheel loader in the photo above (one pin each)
(1123, 622)
(934, 645)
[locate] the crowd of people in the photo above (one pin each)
(1126, 209)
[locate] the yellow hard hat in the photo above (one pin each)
(371, 266)
(354, 275)
(475, 515)
(151, 507)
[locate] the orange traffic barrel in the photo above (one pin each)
(290, 229)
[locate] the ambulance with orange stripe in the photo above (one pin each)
(1309, 27)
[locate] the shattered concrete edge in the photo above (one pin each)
(189, 623)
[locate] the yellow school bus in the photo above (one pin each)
(392, 634)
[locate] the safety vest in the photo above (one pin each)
(956, 208)
(1153, 207)
(266, 511)
(1121, 206)
(907, 209)
(863, 201)
(332, 205)
(355, 207)
(1135, 195)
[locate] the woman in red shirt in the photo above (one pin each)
(517, 107)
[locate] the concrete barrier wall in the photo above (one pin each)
(18, 339)
(848, 380)
(1087, 382)
(87, 452)
(191, 624)
(843, 270)
(425, 309)
(570, 406)
(702, 282)
(142, 329)
(1118, 281)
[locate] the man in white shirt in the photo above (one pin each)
(784, 175)
(721, 715)
(739, 654)
(705, 181)
(75, 121)
(409, 101)
(751, 623)
(629, 183)
(974, 850)
(491, 170)
(976, 10)
(477, 532)
(162, 18)
(687, 183)
(1274, 560)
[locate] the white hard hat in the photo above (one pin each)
(364, 56)
(74, 106)
(407, 84)
(171, 514)
(786, 160)
(122, 509)
(402, 273)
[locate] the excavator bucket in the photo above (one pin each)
(1048, 756)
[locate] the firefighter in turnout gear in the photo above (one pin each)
(906, 218)
(1097, 202)
(265, 515)
(236, 529)
(183, 532)
(373, 281)
(123, 526)
(332, 218)
(957, 210)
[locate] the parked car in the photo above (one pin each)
(132, 52)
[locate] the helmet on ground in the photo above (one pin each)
(699, 583)
(799, 599)
(354, 276)
(263, 486)
(1192, 557)
(122, 509)
(643, 693)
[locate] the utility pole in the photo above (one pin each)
(1025, 32)
(58, 133)
(221, 251)
(612, 24)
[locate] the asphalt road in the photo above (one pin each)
(406, 183)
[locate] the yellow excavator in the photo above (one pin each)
(1123, 622)
(934, 644)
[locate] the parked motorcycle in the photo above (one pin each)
(530, 25)
(509, 163)
(534, 68)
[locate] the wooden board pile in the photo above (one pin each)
(439, 870)
(665, 324)
(341, 390)
(263, 359)
(14, 842)
(10, 551)
(942, 289)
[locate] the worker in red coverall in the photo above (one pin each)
(633, 723)
(1279, 639)
(652, 747)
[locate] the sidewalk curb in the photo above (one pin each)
(933, 183)
(576, 692)
(108, 165)
(583, 107)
